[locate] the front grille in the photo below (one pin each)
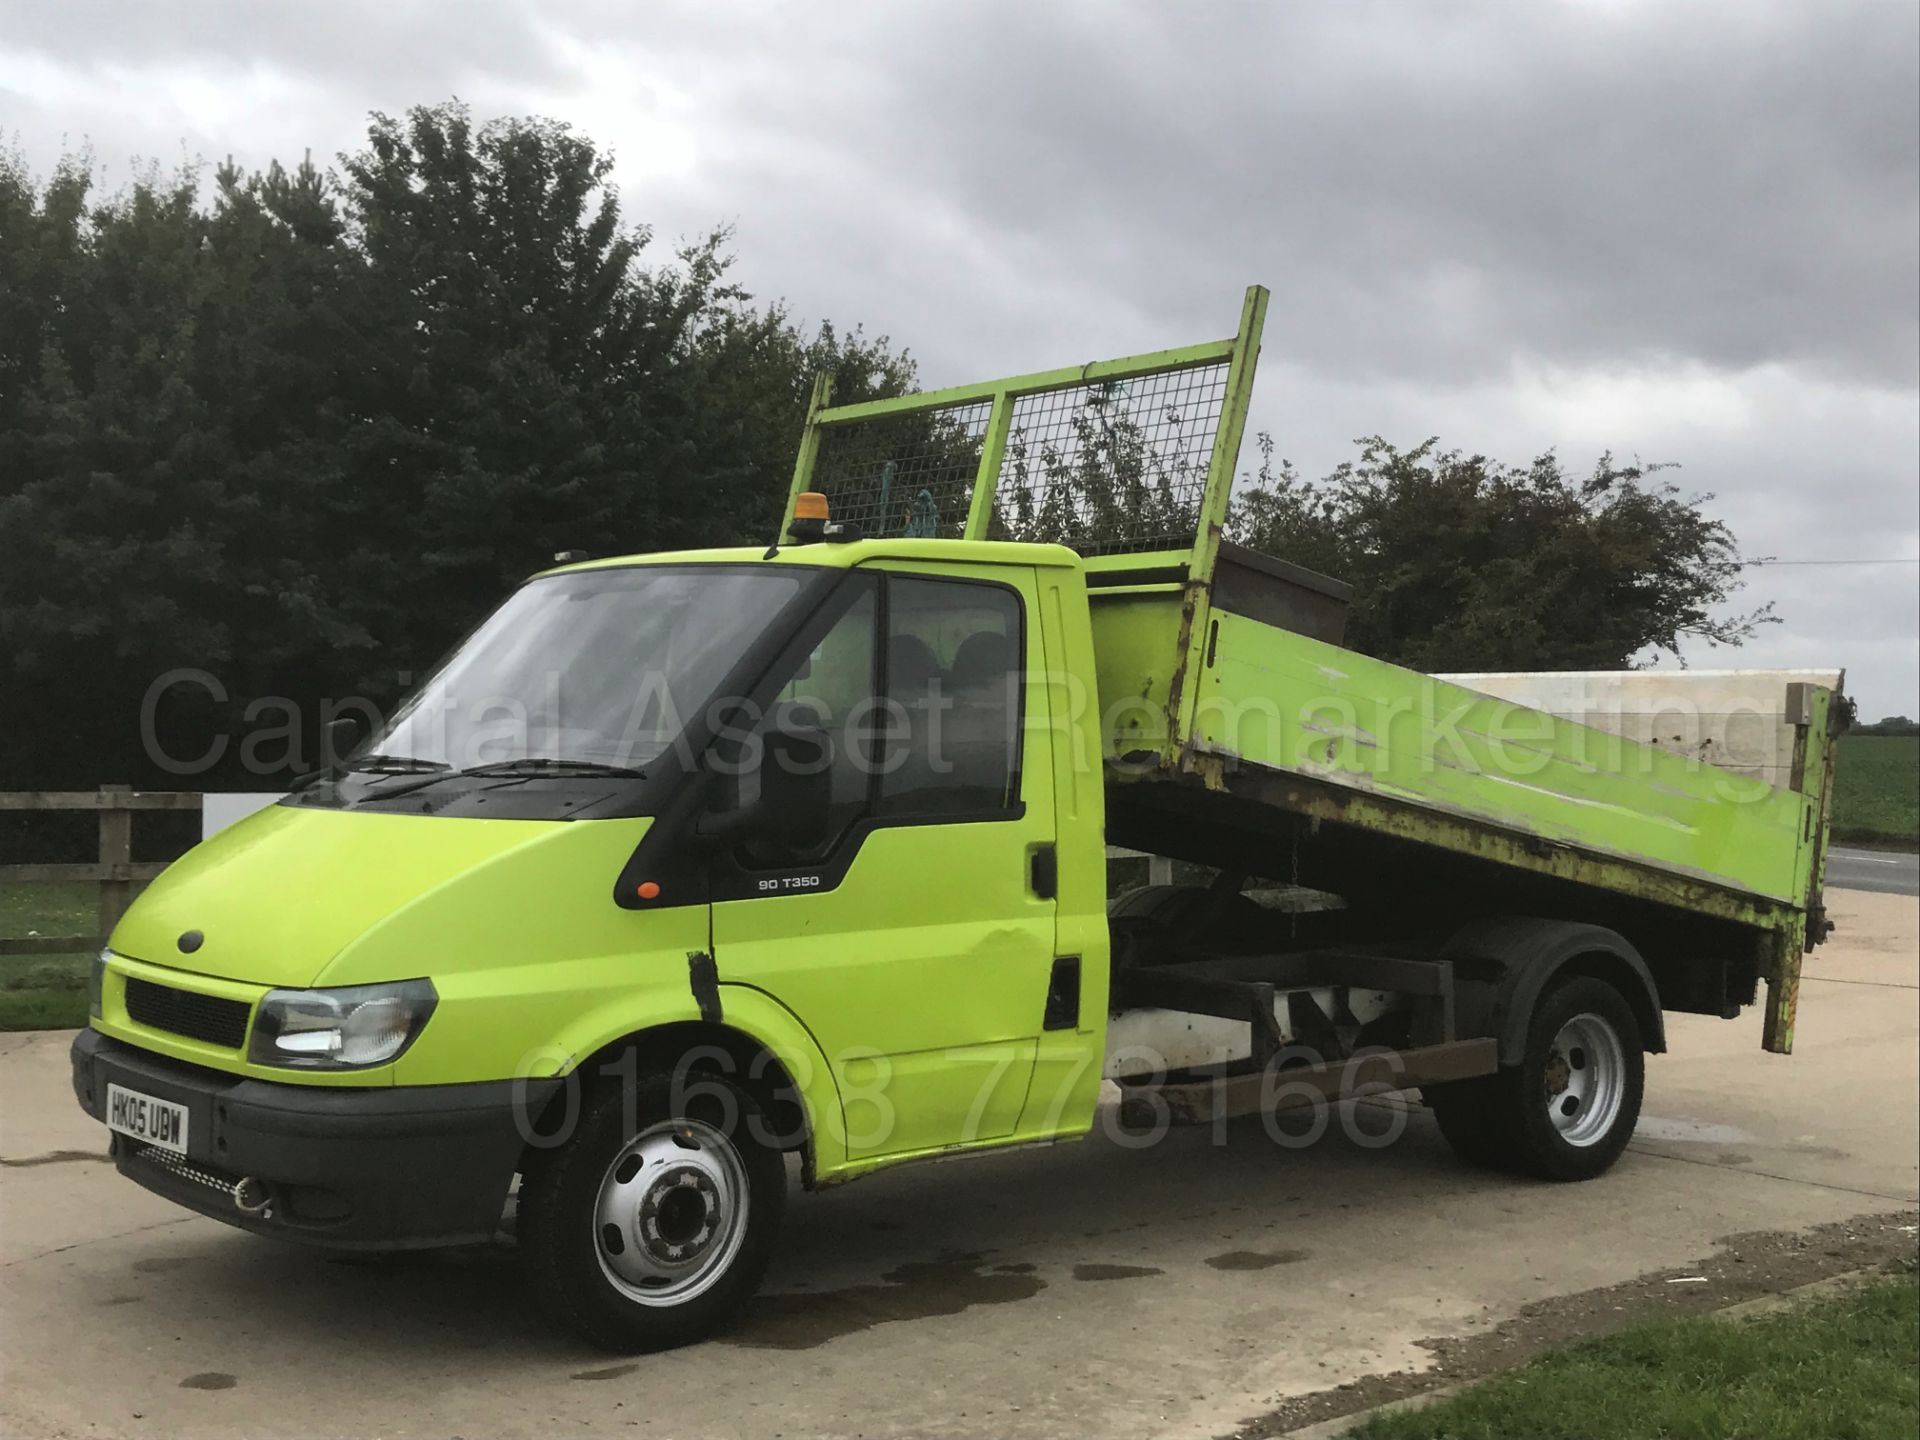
(182, 1012)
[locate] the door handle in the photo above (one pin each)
(1043, 872)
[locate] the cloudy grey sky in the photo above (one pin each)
(1684, 231)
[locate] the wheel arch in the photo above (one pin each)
(755, 1043)
(1513, 960)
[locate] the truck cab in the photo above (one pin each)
(812, 819)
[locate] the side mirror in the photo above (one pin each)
(339, 737)
(336, 739)
(792, 808)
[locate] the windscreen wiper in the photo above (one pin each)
(431, 772)
(375, 764)
(394, 765)
(535, 766)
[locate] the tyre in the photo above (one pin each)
(652, 1225)
(1568, 1109)
(1469, 1114)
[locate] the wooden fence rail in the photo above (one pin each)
(114, 875)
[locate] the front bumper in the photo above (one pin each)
(346, 1168)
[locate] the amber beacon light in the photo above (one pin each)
(809, 515)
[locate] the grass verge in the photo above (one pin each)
(45, 992)
(1841, 1367)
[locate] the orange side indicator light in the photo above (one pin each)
(648, 890)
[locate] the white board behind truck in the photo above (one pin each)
(219, 811)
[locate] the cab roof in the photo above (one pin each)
(846, 554)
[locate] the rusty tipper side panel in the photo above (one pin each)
(1296, 725)
(1284, 702)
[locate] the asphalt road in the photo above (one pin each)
(1891, 872)
(1088, 1289)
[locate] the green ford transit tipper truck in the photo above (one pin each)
(686, 866)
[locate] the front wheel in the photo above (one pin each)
(653, 1224)
(1568, 1109)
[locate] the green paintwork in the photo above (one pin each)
(1191, 636)
(1137, 640)
(993, 451)
(1815, 747)
(1292, 703)
(856, 552)
(809, 445)
(1156, 362)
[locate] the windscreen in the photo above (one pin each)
(593, 667)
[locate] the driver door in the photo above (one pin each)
(913, 944)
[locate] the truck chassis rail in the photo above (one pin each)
(1285, 1087)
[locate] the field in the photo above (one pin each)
(1876, 793)
(1843, 1367)
(45, 992)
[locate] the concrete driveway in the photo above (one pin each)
(1091, 1289)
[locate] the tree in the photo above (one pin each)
(1110, 472)
(540, 389)
(1461, 563)
(303, 434)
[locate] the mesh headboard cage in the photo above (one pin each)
(910, 473)
(1115, 457)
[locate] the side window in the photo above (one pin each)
(953, 668)
(833, 690)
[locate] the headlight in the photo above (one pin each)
(96, 977)
(345, 1029)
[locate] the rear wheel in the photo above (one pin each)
(1469, 1114)
(652, 1226)
(1568, 1109)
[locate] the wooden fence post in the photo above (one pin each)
(116, 858)
(113, 876)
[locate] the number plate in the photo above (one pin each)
(147, 1118)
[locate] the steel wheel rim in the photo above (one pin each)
(1585, 1081)
(671, 1214)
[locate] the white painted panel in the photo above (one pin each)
(219, 811)
(1735, 719)
(1152, 1041)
